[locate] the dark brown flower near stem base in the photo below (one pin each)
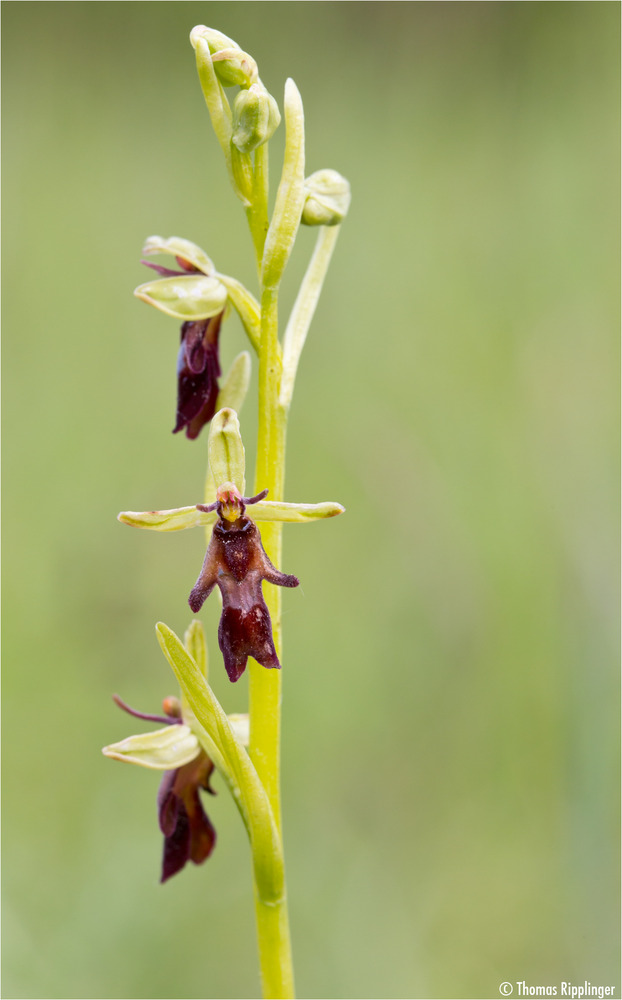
(236, 561)
(188, 833)
(198, 370)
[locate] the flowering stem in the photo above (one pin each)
(265, 685)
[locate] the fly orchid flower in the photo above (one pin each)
(235, 558)
(195, 293)
(175, 750)
(236, 561)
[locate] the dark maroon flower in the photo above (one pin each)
(188, 833)
(198, 370)
(198, 365)
(236, 561)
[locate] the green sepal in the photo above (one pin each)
(264, 510)
(162, 750)
(226, 451)
(191, 297)
(176, 519)
(178, 247)
(294, 513)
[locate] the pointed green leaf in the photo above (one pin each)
(191, 297)
(163, 750)
(167, 520)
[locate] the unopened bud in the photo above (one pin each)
(327, 198)
(256, 117)
(234, 67)
(215, 39)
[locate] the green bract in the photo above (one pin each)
(191, 297)
(235, 385)
(290, 195)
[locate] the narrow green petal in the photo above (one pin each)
(178, 247)
(167, 520)
(163, 750)
(187, 297)
(298, 513)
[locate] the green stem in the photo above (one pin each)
(265, 685)
(257, 212)
(277, 976)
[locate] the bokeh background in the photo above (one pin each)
(451, 685)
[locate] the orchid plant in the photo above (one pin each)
(196, 736)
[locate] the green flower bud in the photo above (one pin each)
(327, 199)
(234, 67)
(256, 117)
(216, 41)
(191, 297)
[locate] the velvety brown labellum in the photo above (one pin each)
(236, 561)
(188, 833)
(198, 370)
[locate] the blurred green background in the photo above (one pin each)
(451, 685)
